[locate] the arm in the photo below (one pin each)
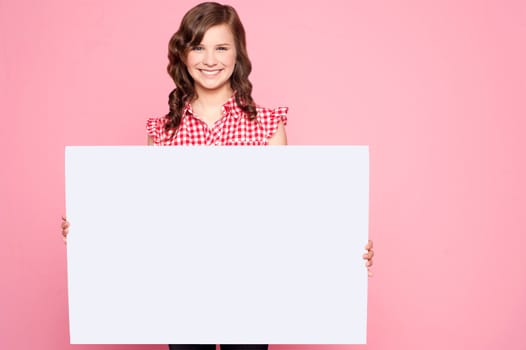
(280, 137)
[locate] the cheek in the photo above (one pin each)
(191, 59)
(231, 59)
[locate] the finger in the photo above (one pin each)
(65, 230)
(369, 273)
(369, 255)
(369, 263)
(65, 240)
(369, 245)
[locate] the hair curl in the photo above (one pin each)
(193, 27)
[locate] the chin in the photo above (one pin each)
(212, 87)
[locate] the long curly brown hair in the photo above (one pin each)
(193, 27)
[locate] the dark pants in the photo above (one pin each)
(213, 347)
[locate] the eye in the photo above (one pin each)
(197, 48)
(222, 48)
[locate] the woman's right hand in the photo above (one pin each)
(65, 229)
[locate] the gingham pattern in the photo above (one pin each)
(232, 129)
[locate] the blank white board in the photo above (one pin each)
(232, 245)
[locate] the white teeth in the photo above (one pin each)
(210, 72)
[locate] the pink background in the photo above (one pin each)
(436, 88)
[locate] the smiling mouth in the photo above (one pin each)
(210, 72)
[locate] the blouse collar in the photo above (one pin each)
(229, 107)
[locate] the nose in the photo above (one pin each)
(209, 58)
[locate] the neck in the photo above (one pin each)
(210, 99)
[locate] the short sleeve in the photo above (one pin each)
(270, 119)
(154, 128)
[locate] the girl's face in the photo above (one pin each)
(212, 62)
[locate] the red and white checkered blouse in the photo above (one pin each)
(232, 129)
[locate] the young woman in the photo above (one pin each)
(212, 103)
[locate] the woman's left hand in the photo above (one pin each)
(369, 257)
